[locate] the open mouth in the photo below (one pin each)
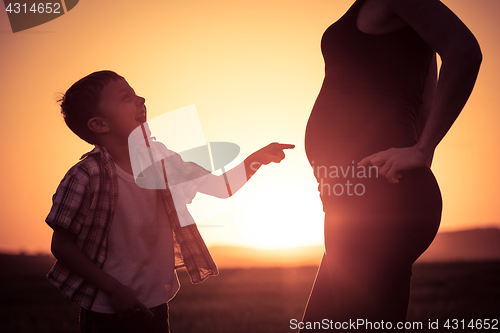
(141, 118)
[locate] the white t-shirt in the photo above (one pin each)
(140, 246)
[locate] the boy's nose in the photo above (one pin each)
(140, 100)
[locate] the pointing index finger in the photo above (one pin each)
(365, 161)
(286, 146)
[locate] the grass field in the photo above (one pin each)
(258, 300)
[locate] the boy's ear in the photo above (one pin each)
(98, 125)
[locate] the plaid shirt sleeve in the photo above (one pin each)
(70, 202)
(83, 204)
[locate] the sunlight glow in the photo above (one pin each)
(280, 216)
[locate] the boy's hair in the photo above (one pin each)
(81, 100)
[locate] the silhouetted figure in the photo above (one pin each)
(379, 93)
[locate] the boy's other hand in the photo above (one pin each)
(126, 303)
(273, 152)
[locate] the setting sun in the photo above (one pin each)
(279, 215)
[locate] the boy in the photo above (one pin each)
(118, 244)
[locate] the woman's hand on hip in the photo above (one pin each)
(392, 161)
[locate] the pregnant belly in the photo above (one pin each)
(347, 132)
(340, 134)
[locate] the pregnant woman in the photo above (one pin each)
(370, 139)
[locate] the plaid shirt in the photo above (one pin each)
(84, 203)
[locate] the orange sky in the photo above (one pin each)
(253, 69)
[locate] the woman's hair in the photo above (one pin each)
(81, 100)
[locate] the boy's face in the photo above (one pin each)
(121, 109)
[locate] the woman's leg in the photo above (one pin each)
(372, 241)
(321, 304)
(370, 277)
(357, 290)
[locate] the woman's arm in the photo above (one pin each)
(461, 58)
(427, 99)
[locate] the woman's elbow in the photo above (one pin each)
(473, 54)
(469, 53)
(461, 47)
(479, 56)
(466, 61)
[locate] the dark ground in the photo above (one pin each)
(259, 300)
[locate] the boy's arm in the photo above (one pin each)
(217, 186)
(123, 301)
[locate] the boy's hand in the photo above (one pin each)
(273, 152)
(125, 303)
(122, 298)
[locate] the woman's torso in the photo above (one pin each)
(371, 92)
(369, 102)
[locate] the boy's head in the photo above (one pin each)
(102, 103)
